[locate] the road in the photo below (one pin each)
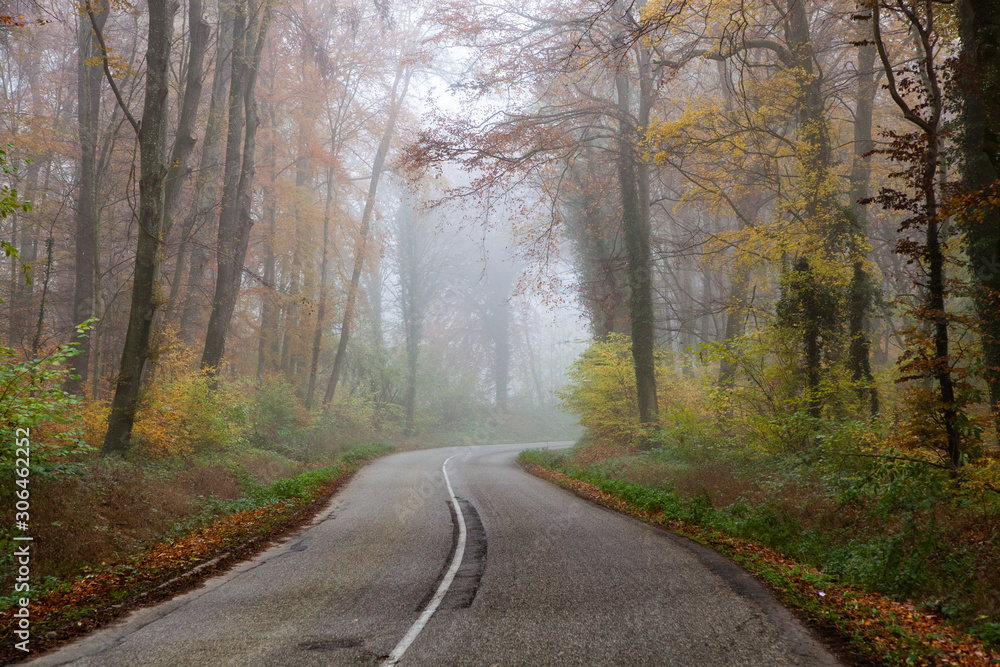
(544, 578)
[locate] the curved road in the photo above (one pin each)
(545, 578)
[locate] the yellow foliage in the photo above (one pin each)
(602, 392)
(984, 476)
(181, 414)
(94, 418)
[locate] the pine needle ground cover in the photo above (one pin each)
(899, 592)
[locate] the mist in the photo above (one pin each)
(741, 253)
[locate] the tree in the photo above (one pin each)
(404, 71)
(602, 100)
(413, 265)
(766, 153)
(88, 112)
(979, 22)
(235, 221)
(919, 152)
(633, 181)
(152, 139)
(862, 290)
(195, 229)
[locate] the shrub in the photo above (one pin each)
(31, 398)
(601, 391)
(278, 422)
(182, 415)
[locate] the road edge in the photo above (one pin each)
(214, 564)
(826, 633)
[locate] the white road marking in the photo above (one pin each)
(449, 577)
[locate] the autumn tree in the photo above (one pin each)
(979, 77)
(400, 86)
(249, 36)
(152, 139)
(603, 100)
(765, 153)
(89, 78)
(919, 154)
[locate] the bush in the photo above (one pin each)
(601, 391)
(278, 422)
(31, 398)
(181, 414)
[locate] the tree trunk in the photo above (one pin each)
(292, 354)
(193, 314)
(501, 353)
(268, 342)
(740, 278)
(184, 142)
(815, 157)
(234, 218)
(862, 289)
(635, 230)
(205, 191)
(360, 248)
(928, 122)
(321, 308)
(152, 137)
(412, 262)
(735, 314)
(36, 342)
(185, 139)
(85, 239)
(935, 302)
(980, 32)
(982, 21)
(21, 290)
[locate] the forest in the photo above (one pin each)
(746, 253)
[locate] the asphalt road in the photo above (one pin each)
(545, 578)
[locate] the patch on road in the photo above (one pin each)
(466, 584)
(329, 644)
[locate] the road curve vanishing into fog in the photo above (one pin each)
(516, 571)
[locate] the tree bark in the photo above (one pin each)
(85, 238)
(740, 278)
(205, 192)
(152, 137)
(979, 22)
(861, 291)
(815, 157)
(321, 308)
(268, 350)
(234, 219)
(635, 230)
(291, 354)
(185, 140)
